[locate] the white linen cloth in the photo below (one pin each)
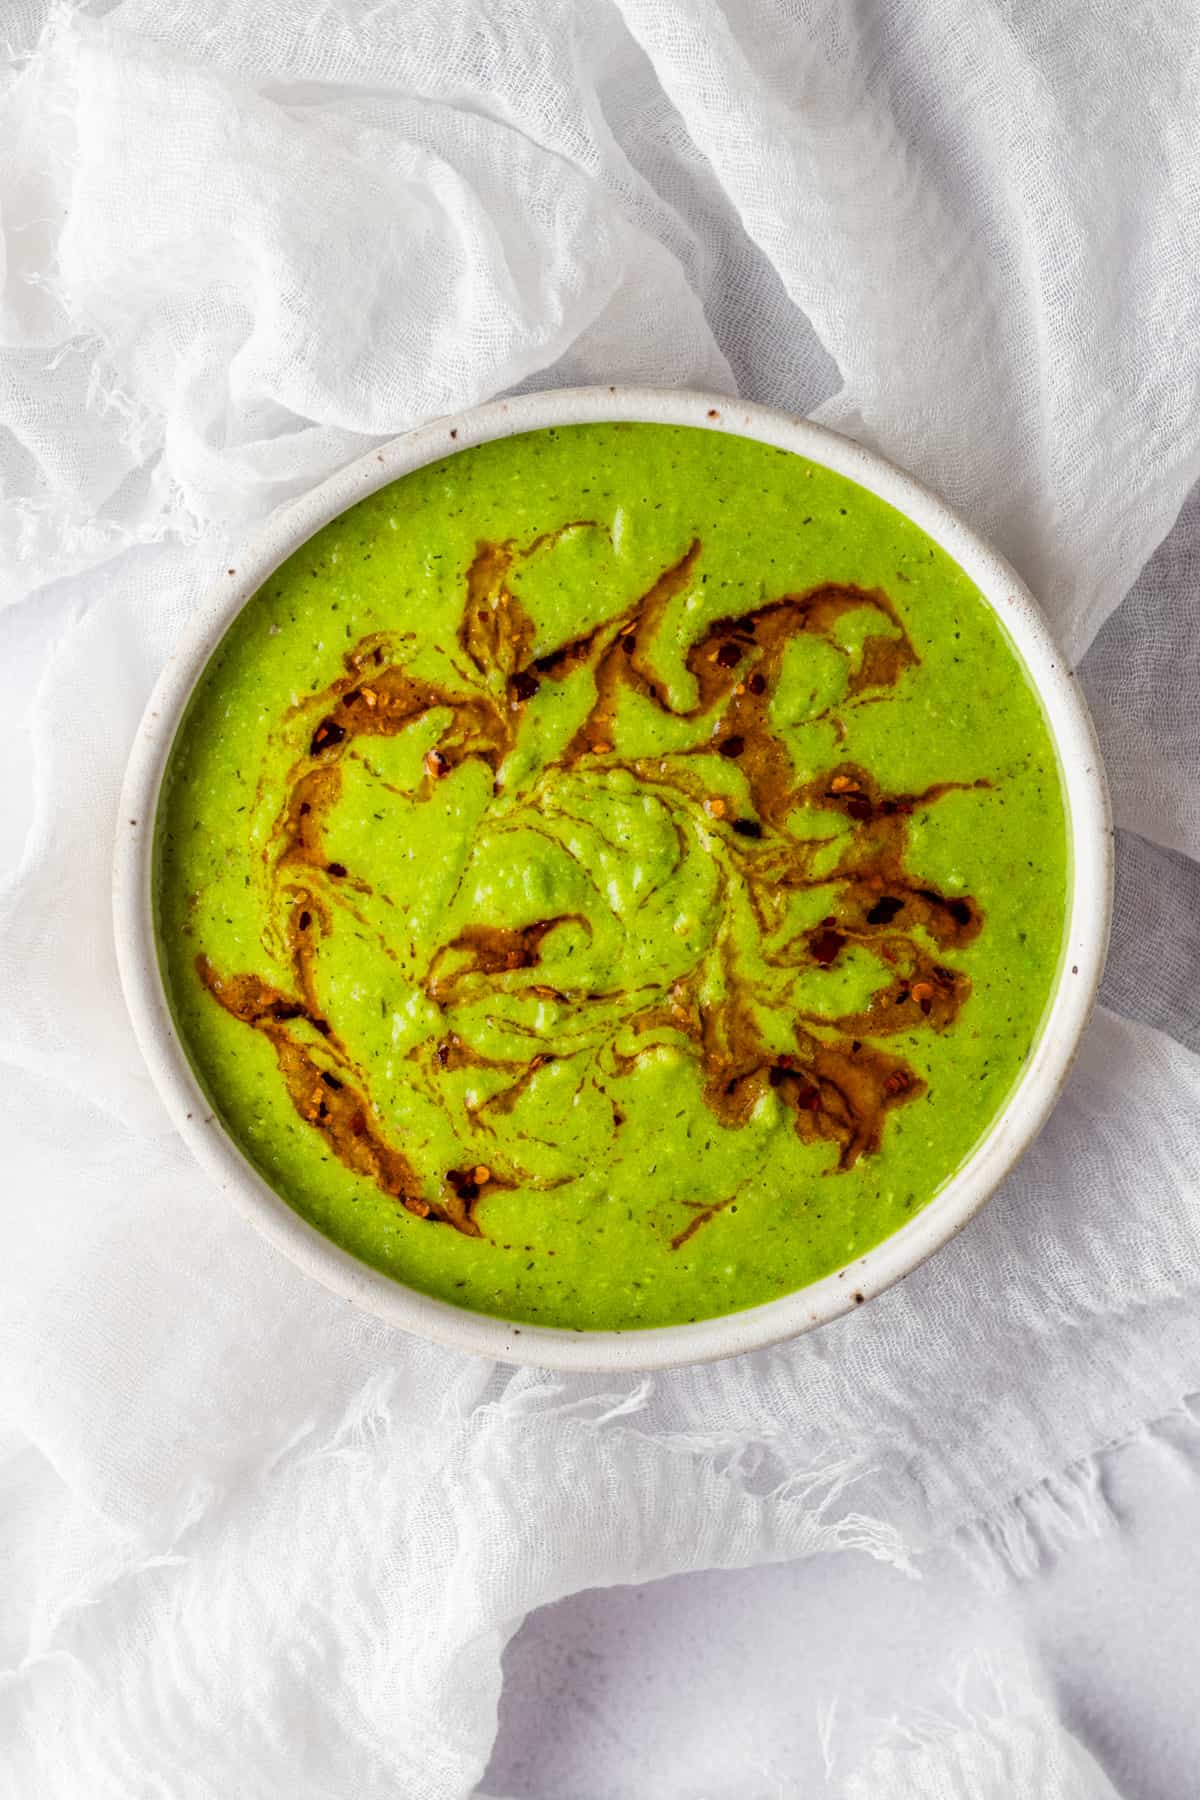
(255, 1543)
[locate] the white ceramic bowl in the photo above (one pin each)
(960, 1197)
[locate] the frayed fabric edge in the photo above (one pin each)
(991, 1730)
(1030, 1531)
(730, 1456)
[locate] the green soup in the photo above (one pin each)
(613, 876)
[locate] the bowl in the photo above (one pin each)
(961, 1196)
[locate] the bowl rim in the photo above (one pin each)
(654, 1347)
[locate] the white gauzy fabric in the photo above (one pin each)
(997, 1737)
(255, 1543)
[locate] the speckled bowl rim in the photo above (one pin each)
(665, 1346)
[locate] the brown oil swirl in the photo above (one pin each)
(837, 1079)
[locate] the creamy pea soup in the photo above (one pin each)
(613, 876)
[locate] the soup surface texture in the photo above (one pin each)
(612, 876)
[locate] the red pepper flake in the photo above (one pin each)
(338, 870)
(729, 655)
(732, 746)
(327, 734)
(896, 1083)
(885, 910)
(757, 683)
(858, 807)
(825, 946)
